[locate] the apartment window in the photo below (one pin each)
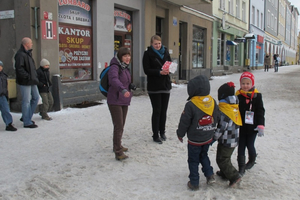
(198, 47)
(257, 15)
(253, 15)
(237, 8)
(262, 21)
(222, 4)
(269, 19)
(244, 11)
(272, 21)
(230, 7)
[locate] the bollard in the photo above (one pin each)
(56, 92)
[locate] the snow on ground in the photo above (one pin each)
(71, 156)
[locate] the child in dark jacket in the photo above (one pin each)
(227, 132)
(44, 89)
(198, 121)
(253, 119)
(4, 107)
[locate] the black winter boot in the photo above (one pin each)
(251, 162)
(242, 165)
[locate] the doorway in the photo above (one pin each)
(182, 63)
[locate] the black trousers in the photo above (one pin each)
(159, 102)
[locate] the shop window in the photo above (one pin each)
(198, 47)
(75, 41)
(236, 55)
(159, 26)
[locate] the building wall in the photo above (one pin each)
(103, 44)
(170, 36)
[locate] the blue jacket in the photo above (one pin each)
(119, 80)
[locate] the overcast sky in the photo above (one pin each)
(297, 4)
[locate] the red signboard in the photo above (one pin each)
(260, 39)
(49, 30)
(75, 49)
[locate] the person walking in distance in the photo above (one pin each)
(26, 78)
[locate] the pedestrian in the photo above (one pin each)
(198, 120)
(278, 62)
(253, 119)
(118, 97)
(158, 86)
(4, 107)
(26, 78)
(44, 89)
(267, 61)
(227, 133)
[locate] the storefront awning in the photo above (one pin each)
(249, 36)
(239, 40)
(229, 42)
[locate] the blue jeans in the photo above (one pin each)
(30, 98)
(5, 112)
(196, 155)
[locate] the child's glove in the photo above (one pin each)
(260, 129)
(180, 139)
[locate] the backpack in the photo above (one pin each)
(104, 82)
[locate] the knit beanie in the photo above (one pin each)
(225, 90)
(248, 75)
(1, 63)
(44, 62)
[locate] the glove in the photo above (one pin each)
(260, 129)
(180, 139)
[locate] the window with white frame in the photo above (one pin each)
(253, 15)
(257, 18)
(237, 8)
(262, 21)
(244, 11)
(230, 7)
(222, 4)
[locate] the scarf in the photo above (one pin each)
(249, 94)
(160, 52)
(232, 111)
(204, 103)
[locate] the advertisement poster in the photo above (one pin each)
(75, 40)
(122, 21)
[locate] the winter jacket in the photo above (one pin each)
(267, 60)
(3, 84)
(257, 108)
(25, 68)
(44, 80)
(227, 132)
(152, 64)
(190, 118)
(119, 82)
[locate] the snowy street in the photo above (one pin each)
(71, 157)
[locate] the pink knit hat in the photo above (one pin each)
(248, 75)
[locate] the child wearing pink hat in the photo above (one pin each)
(253, 120)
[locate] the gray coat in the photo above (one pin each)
(189, 120)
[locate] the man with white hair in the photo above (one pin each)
(26, 78)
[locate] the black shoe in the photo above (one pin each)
(221, 174)
(31, 126)
(21, 119)
(157, 140)
(163, 137)
(10, 127)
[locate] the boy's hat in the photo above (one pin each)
(1, 63)
(248, 75)
(44, 62)
(225, 90)
(198, 86)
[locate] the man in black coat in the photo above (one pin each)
(26, 78)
